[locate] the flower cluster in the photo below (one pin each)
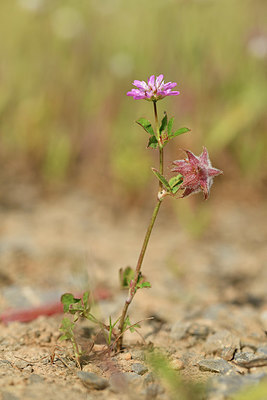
(155, 89)
(197, 173)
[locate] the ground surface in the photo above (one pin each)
(208, 297)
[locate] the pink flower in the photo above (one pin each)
(153, 90)
(197, 173)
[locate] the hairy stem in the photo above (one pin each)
(133, 289)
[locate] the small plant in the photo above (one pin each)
(193, 174)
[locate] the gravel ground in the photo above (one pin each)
(208, 300)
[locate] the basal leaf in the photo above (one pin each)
(67, 299)
(162, 180)
(146, 125)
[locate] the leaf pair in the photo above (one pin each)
(127, 277)
(165, 131)
(172, 186)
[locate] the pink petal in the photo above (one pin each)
(140, 84)
(204, 157)
(159, 80)
(151, 81)
(214, 172)
(194, 160)
(169, 85)
(189, 191)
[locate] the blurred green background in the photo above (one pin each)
(66, 67)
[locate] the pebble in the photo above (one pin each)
(179, 330)
(138, 355)
(139, 368)
(229, 384)
(250, 360)
(117, 382)
(8, 396)
(199, 330)
(126, 356)
(35, 378)
(177, 364)
(262, 349)
(220, 366)
(153, 390)
(92, 381)
(21, 364)
(222, 343)
(132, 378)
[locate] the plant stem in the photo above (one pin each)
(132, 289)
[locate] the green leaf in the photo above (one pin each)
(179, 132)
(67, 299)
(162, 180)
(144, 285)
(175, 180)
(175, 183)
(152, 142)
(86, 300)
(146, 125)
(163, 123)
(170, 124)
(126, 275)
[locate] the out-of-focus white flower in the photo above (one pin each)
(121, 64)
(257, 46)
(31, 5)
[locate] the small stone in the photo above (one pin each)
(139, 368)
(179, 330)
(92, 381)
(199, 330)
(117, 383)
(250, 360)
(177, 364)
(21, 364)
(138, 355)
(29, 368)
(262, 349)
(8, 396)
(132, 378)
(153, 390)
(219, 366)
(126, 356)
(149, 378)
(35, 378)
(222, 343)
(5, 364)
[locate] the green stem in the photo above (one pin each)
(132, 289)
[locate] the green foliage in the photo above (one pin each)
(126, 276)
(163, 123)
(162, 179)
(144, 123)
(60, 105)
(174, 183)
(177, 388)
(67, 329)
(257, 392)
(128, 325)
